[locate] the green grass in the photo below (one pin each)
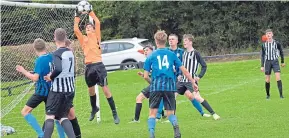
(235, 90)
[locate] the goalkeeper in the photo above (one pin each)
(95, 72)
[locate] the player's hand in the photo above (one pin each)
(47, 77)
(282, 64)
(20, 68)
(196, 87)
(140, 74)
(76, 14)
(262, 69)
(197, 79)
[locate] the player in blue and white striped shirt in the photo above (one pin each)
(161, 64)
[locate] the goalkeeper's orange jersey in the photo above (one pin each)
(90, 43)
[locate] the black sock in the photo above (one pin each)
(48, 128)
(111, 104)
(208, 107)
(279, 83)
(76, 127)
(68, 129)
(93, 101)
(138, 107)
(267, 86)
(163, 113)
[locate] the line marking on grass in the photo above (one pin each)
(226, 89)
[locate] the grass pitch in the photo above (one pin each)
(235, 90)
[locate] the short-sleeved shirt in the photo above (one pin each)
(161, 64)
(179, 53)
(42, 67)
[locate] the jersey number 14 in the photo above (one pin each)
(163, 62)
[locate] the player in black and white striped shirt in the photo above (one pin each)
(191, 61)
(61, 96)
(269, 59)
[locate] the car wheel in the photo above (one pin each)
(129, 65)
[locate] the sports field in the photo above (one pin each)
(235, 90)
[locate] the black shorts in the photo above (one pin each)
(183, 86)
(59, 104)
(168, 97)
(146, 92)
(35, 100)
(271, 64)
(95, 73)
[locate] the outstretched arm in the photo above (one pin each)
(97, 26)
(34, 77)
(77, 31)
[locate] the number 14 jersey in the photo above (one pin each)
(161, 63)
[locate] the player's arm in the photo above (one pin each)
(57, 61)
(76, 28)
(262, 56)
(181, 59)
(147, 68)
(203, 65)
(97, 26)
(32, 76)
(279, 47)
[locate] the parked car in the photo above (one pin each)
(118, 51)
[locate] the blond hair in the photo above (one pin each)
(39, 45)
(161, 37)
(189, 37)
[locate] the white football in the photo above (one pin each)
(83, 6)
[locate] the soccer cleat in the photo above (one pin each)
(281, 97)
(134, 121)
(93, 112)
(167, 121)
(206, 115)
(216, 117)
(115, 117)
(177, 131)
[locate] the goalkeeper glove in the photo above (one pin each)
(76, 14)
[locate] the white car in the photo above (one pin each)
(118, 51)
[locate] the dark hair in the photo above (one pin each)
(149, 46)
(89, 23)
(60, 34)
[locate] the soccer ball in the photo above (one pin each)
(264, 38)
(83, 7)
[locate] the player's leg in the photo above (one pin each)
(74, 122)
(63, 113)
(32, 103)
(160, 110)
(102, 81)
(268, 70)
(90, 79)
(51, 107)
(59, 129)
(143, 95)
(205, 104)
(277, 70)
(154, 101)
(191, 97)
(169, 104)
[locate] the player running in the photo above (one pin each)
(269, 61)
(41, 68)
(163, 82)
(191, 61)
(95, 72)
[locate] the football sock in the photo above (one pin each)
(152, 125)
(173, 120)
(198, 106)
(76, 127)
(279, 83)
(60, 129)
(93, 101)
(48, 129)
(34, 124)
(67, 126)
(138, 107)
(267, 86)
(111, 104)
(208, 107)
